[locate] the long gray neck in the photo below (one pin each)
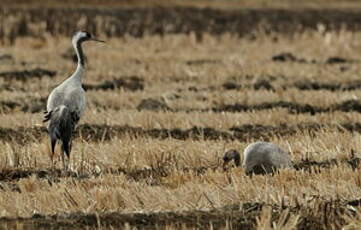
(81, 61)
(79, 53)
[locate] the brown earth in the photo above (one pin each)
(38, 105)
(27, 74)
(235, 216)
(105, 132)
(157, 172)
(132, 83)
(294, 108)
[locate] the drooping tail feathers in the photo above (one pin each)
(61, 126)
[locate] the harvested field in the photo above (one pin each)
(168, 94)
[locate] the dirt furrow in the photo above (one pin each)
(126, 83)
(154, 174)
(300, 85)
(329, 86)
(312, 216)
(95, 133)
(38, 105)
(26, 75)
(132, 83)
(292, 107)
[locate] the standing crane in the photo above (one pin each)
(66, 103)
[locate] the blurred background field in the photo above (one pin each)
(197, 3)
(176, 85)
(139, 18)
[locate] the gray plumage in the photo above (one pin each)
(260, 158)
(67, 102)
(61, 126)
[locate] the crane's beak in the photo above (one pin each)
(97, 40)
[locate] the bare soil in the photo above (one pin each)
(102, 133)
(37, 105)
(132, 83)
(235, 216)
(26, 75)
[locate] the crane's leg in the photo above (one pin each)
(53, 144)
(63, 158)
(66, 147)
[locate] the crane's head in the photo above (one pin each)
(82, 36)
(231, 155)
